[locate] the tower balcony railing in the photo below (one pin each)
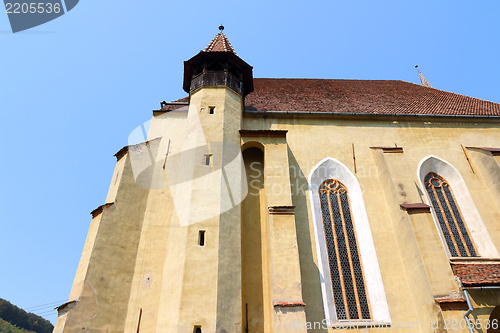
(217, 78)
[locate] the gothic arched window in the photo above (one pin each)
(449, 217)
(348, 283)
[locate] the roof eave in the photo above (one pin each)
(190, 65)
(365, 114)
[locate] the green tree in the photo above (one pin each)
(20, 318)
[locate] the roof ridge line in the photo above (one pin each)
(452, 92)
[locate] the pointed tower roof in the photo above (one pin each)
(219, 44)
(423, 80)
(219, 51)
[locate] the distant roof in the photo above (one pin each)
(377, 97)
(219, 44)
(175, 105)
(472, 275)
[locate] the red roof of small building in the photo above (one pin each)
(472, 275)
(180, 103)
(376, 97)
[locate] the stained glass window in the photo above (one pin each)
(449, 217)
(346, 272)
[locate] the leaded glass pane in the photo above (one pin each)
(349, 291)
(332, 257)
(450, 219)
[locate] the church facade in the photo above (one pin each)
(294, 205)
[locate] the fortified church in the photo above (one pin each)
(294, 205)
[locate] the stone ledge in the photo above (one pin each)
(416, 208)
(100, 209)
(288, 304)
(122, 152)
(452, 303)
(63, 308)
(493, 151)
(282, 210)
(268, 133)
(390, 149)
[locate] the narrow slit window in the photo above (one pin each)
(211, 109)
(346, 272)
(207, 159)
(201, 238)
(448, 215)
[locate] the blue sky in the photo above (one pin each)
(72, 90)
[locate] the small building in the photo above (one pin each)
(294, 205)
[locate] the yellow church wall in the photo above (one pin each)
(81, 272)
(171, 293)
(412, 259)
(286, 271)
(189, 294)
(115, 253)
(434, 258)
(112, 261)
(281, 269)
(93, 230)
(148, 291)
(407, 267)
(169, 125)
(147, 282)
(115, 181)
(487, 167)
(183, 288)
(263, 265)
(223, 126)
(148, 248)
(256, 299)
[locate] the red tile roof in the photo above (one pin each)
(362, 96)
(471, 275)
(453, 303)
(219, 44)
(384, 97)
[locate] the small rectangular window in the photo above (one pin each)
(207, 159)
(201, 238)
(197, 329)
(211, 109)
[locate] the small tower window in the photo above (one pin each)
(207, 159)
(211, 109)
(201, 238)
(197, 329)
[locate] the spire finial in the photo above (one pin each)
(416, 66)
(221, 27)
